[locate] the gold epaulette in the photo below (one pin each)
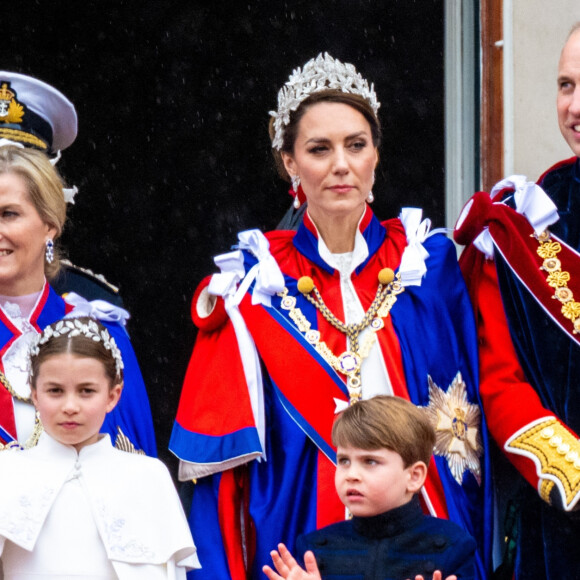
(556, 453)
(123, 443)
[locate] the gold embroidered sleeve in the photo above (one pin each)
(556, 453)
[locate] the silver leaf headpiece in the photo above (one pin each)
(74, 327)
(318, 74)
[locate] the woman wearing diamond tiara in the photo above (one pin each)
(32, 217)
(298, 325)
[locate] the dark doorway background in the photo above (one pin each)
(173, 157)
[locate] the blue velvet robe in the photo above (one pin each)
(547, 538)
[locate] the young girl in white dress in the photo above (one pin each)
(74, 506)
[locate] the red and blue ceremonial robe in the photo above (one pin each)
(130, 424)
(254, 421)
(523, 272)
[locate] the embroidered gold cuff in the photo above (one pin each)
(546, 488)
(557, 454)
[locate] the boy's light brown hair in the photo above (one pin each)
(386, 422)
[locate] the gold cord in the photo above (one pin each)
(11, 390)
(349, 362)
(557, 278)
(38, 428)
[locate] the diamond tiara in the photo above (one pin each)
(74, 327)
(318, 74)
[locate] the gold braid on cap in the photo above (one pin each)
(318, 74)
(75, 327)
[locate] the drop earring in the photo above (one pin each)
(370, 196)
(295, 179)
(49, 252)
(295, 185)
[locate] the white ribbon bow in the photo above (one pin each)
(531, 201)
(339, 405)
(267, 273)
(269, 281)
(99, 309)
(69, 194)
(225, 284)
(413, 267)
(484, 243)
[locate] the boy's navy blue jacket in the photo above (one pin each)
(396, 545)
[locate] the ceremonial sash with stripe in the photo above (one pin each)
(284, 349)
(513, 237)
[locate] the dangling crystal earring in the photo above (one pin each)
(295, 179)
(295, 185)
(370, 196)
(49, 252)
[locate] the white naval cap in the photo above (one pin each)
(35, 114)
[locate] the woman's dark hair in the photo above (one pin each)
(357, 102)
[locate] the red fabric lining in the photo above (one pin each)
(329, 508)
(229, 511)
(434, 489)
(509, 402)
(197, 410)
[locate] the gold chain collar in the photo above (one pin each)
(557, 278)
(349, 362)
(38, 428)
(11, 390)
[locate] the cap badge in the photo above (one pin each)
(11, 111)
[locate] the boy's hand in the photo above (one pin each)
(436, 576)
(289, 569)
